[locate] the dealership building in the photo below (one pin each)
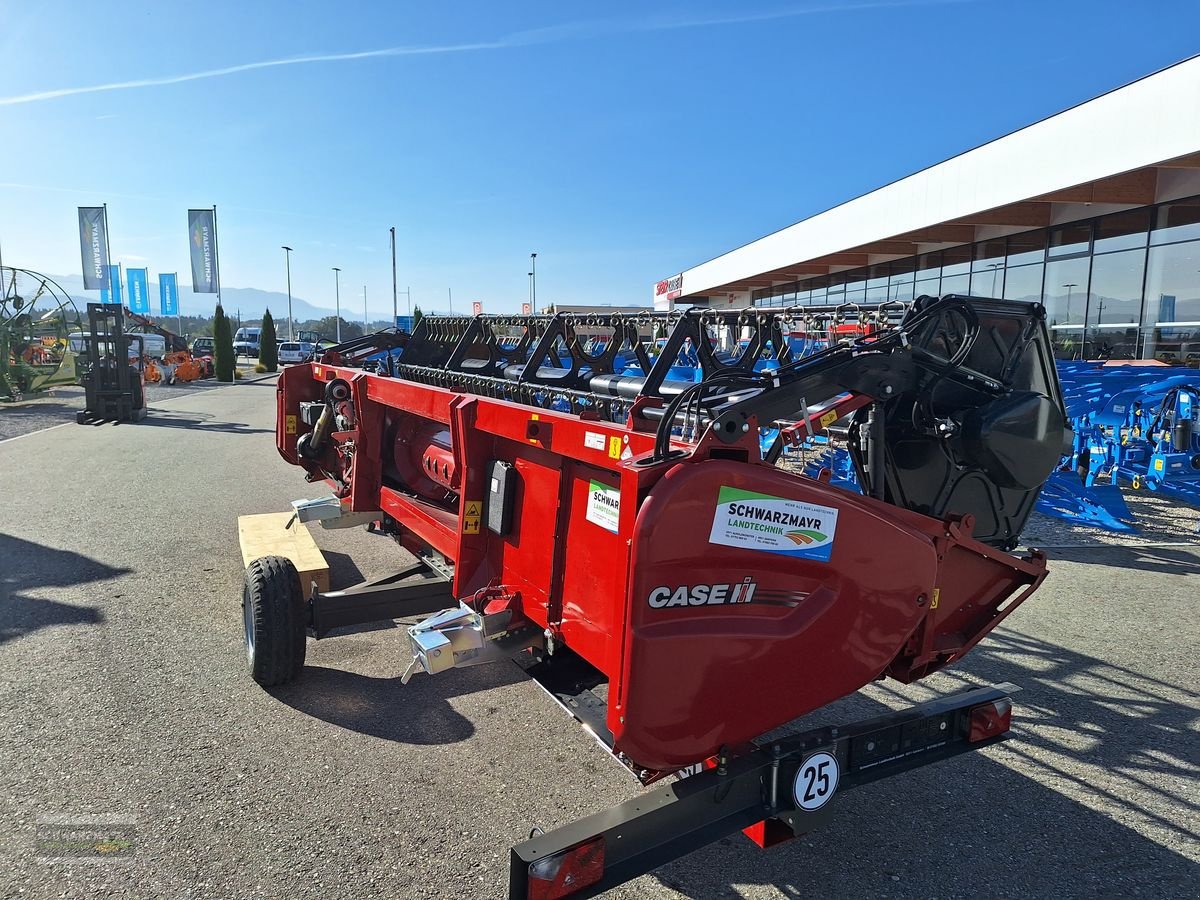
(1094, 211)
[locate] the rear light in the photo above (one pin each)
(989, 720)
(564, 873)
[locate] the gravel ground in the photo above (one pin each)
(1158, 520)
(123, 695)
(61, 404)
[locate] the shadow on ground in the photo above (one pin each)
(157, 418)
(1083, 725)
(1165, 560)
(415, 713)
(29, 571)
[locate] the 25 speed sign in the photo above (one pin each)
(816, 781)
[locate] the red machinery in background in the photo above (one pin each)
(625, 539)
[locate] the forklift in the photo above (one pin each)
(113, 375)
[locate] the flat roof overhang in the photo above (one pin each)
(1134, 146)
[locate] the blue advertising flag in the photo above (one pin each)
(168, 294)
(139, 299)
(93, 242)
(202, 234)
(114, 286)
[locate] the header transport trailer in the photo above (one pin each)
(625, 539)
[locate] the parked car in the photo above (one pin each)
(204, 346)
(295, 351)
(245, 342)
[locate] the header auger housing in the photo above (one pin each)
(606, 520)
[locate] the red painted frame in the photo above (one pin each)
(901, 594)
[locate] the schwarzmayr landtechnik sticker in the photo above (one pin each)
(773, 524)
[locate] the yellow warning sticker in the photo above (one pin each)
(614, 447)
(828, 419)
(289, 425)
(1158, 465)
(472, 511)
(937, 593)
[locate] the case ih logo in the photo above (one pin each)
(669, 288)
(745, 591)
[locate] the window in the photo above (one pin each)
(1070, 239)
(988, 282)
(1027, 247)
(929, 266)
(1122, 231)
(1065, 293)
(956, 261)
(956, 284)
(856, 292)
(1173, 283)
(1065, 297)
(900, 285)
(1024, 283)
(1115, 305)
(987, 255)
(1179, 221)
(1116, 292)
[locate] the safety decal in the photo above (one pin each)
(593, 440)
(604, 506)
(289, 425)
(773, 525)
(472, 513)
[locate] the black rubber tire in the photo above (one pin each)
(273, 615)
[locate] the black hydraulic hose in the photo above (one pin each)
(311, 445)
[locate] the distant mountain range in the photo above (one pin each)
(248, 302)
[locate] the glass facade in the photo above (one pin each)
(1121, 286)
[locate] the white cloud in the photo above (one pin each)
(549, 35)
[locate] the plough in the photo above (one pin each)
(1133, 426)
(624, 538)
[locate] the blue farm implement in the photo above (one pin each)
(1134, 426)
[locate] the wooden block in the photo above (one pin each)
(267, 535)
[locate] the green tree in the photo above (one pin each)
(328, 328)
(223, 359)
(417, 316)
(268, 349)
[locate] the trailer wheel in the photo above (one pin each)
(274, 619)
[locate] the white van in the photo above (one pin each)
(154, 345)
(245, 342)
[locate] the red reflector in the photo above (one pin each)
(990, 719)
(562, 874)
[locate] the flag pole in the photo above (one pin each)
(178, 305)
(217, 255)
(112, 295)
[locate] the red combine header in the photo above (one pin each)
(623, 536)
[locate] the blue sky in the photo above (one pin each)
(623, 142)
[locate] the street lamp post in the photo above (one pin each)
(287, 255)
(995, 267)
(533, 281)
(1070, 286)
(395, 304)
(337, 301)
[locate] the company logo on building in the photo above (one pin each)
(773, 524)
(669, 288)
